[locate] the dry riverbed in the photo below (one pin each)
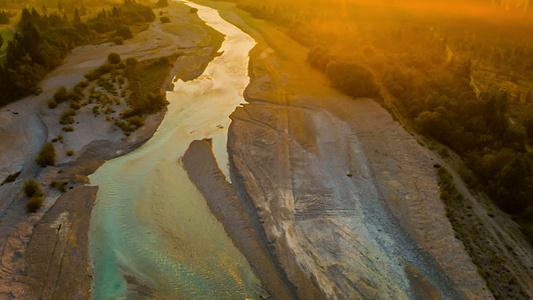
(45, 254)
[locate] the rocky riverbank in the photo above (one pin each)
(346, 197)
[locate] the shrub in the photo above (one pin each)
(76, 95)
(34, 203)
(125, 126)
(118, 40)
(66, 117)
(47, 156)
(162, 3)
(61, 94)
(124, 32)
(74, 104)
(31, 188)
(114, 58)
(67, 128)
(82, 84)
(63, 187)
(11, 177)
(70, 152)
(108, 110)
(193, 10)
(98, 72)
(131, 62)
(52, 104)
(136, 120)
(165, 20)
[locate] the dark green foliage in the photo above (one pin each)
(4, 17)
(527, 121)
(165, 20)
(136, 121)
(98, 72)
(67, 117)
(124, 32)
(47, 156)
(348, 76)
(67, 128)
(114, 58)
(125, 126)
(193, 10)
(31, 188)
(38, 46)
(118, 40)
(74, 105)
(42, 41)
(77, 18)
(70, 152)
(476, 128)
(145, 80)
(34, 203)
(11, 177)
(52, 104)
(82, 84)
(352, 78)
(162, 3)
(61, 95)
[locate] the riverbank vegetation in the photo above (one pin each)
(42, 40)
(125, 91)
(32, 190)
(476, 236)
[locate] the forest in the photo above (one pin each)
(43, 39)
(462, 80)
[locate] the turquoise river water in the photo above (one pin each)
(149, 219)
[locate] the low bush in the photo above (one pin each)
(31, 188)
(61, 94)
(74, 104)
(66, 119)
(118, 40)
(11, 177)
(47, 156)
(52, 104)
(34, 203)
(67, 128)
(82, 84)
(136, 120)
(165, 19)
(114, 58)
(124, 32)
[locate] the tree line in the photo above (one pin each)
(43, 41)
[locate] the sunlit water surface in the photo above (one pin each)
(149, 219)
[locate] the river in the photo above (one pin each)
(149, 219)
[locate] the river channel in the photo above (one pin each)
(149, 220)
